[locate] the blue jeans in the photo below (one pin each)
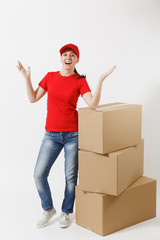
(51, 146)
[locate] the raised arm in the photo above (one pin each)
(33, 96)
(93, 101)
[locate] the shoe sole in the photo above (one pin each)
(64, 226)
(44, 225)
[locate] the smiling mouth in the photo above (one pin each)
(67, 63)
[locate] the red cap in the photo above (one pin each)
(71, 46)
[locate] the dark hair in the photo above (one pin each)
(79, 76)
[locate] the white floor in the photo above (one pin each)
(20, 225)
(20, 212)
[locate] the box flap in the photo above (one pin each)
(118, 152)
(90, 193)
(114, 107)
(141, 181)
(101, 106)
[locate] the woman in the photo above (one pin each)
(61, 129)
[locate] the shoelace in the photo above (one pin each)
(44, 215)
(64, 215)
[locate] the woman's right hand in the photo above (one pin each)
(25, 73)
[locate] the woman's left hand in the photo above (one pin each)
(106, 74)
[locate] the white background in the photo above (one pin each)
(125, 33)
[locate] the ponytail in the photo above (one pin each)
(79, 76)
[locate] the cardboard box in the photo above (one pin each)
(110, 173)
(110, 127)
(105, 214)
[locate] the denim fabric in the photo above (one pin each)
(51, 146)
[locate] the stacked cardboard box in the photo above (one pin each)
(112, 193)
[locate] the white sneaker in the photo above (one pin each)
(64, 220)
(45, 218)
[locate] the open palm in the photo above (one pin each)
(106, 74)
(25, 73)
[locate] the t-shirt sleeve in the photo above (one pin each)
(84, 87)
(44, 82)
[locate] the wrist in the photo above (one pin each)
(101, 81)
(27, 78)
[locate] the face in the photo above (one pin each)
(69, 59)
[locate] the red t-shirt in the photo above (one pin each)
(63, 93)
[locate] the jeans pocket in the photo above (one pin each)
(75, 133)
(48, 133)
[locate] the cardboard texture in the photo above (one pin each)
(110, 173)
(110, 127)
(104, 214)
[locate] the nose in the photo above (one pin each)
(68, 55)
